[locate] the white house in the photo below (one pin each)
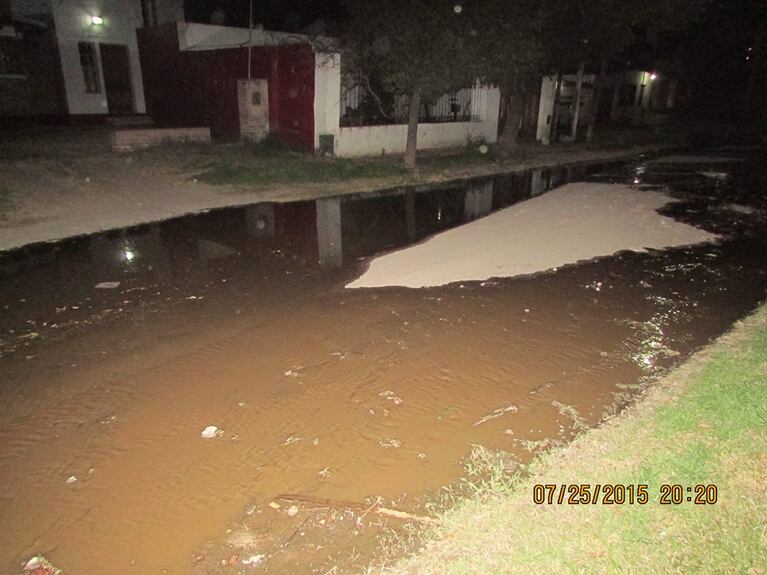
(331, 105)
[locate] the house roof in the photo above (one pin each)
(200, 37)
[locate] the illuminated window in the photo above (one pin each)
(90, 65)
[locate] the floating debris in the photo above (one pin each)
(71, 479)
(291, 440)
(539, 388)
(254, 560)
(211, 432)
(244, 539)
(107, 285)
(391, 396)
(497, 413)
(569, 411)
(322, 503)
(39, 565)
(390, 443)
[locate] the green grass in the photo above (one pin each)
(271, 162)
(300, 170)
(706, 423)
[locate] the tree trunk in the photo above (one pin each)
(555, 112)
(597, 96)
(577, 110)
(516, 107)
(412, 129)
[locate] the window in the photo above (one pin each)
(90, 65)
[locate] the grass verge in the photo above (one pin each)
(270, 162)
(705, 423)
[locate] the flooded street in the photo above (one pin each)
(117, 350)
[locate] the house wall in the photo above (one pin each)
(72, 23)
(373, 140)
(198, 87)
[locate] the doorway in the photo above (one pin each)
(117, 81)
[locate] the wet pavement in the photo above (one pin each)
(117, 350)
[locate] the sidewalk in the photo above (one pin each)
(68, 183)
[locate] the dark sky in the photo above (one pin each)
(281, 15)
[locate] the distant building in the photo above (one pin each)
(632, 97)
(74, 58)
(30, 69)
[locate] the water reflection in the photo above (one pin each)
(329, 232)
(306, 376)
(183, 258)
(479, 201)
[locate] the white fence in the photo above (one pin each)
(391, 138)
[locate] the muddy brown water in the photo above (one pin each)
(227, 319)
